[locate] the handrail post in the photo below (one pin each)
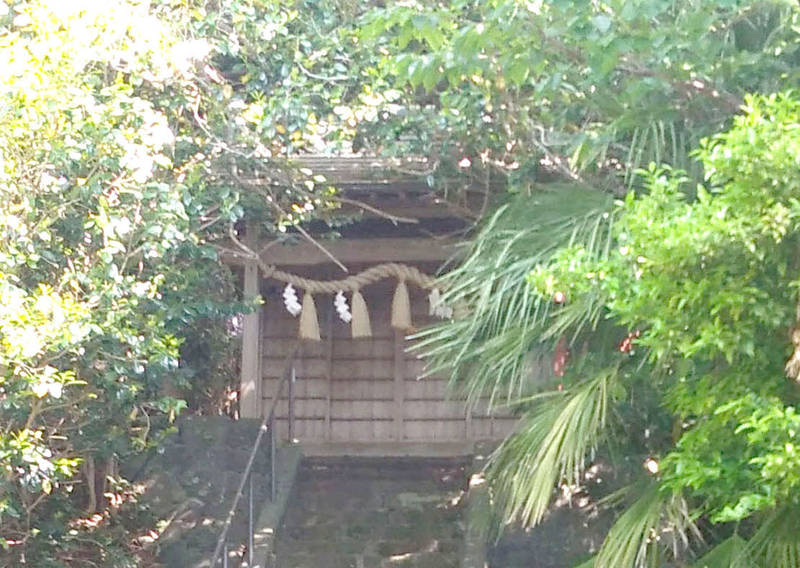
(267, 422)
(273, 474)
(250, 525)
(225, 556)
(292, 380)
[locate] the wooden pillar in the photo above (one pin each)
(399, 382)
(328, 372)
(250, 404)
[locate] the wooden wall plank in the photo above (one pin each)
(277, 347)
(313, 430)
(326, 433)
(304, 388)
(362, 369)
(434, 410)
(415, 368)
(303, 409)
(364, 349)
(399, 386)
(434, 430)
(311, 388)
(426, 388)
(306, 367)
(362, 389)
(383, 429)
(362, 409)
(340, 430)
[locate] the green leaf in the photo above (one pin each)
(602, 23)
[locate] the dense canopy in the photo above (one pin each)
(636, 160)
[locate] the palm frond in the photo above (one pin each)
(487, 349)
(775, 543)
(657, 141)
(730, 553)
(551, 446)
(654, 524)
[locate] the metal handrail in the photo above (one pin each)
(266, 423)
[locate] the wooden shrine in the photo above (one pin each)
(357, 385)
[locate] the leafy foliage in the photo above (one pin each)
(552, 445)
(709, 284)
(585, 89)
(136, 137)
(121, 144)
(637, 536)
(685, 294)
(494, 343)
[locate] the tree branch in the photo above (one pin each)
(361, 205)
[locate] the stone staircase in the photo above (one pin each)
(339, 512)
(374, 513)
(191, 483)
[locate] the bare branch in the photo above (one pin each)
(251, 254)
(361, 205)
(325, 251)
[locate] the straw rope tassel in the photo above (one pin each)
(401, 307)
(360, 324)
(309, 326)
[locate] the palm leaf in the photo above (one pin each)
(654, 140)
(486, 350)
(655, 524)
(551, 446)
(731, 552)
(775, 542)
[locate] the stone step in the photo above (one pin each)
(220, 457)
(201, 431)
(374, 513)
(200, 469)
(443, 469)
